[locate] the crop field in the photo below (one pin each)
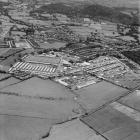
(96, 95)
(4, 76)
(133, 55)
(115, 122)
(84, 31)
(82, 50)
(128, 80)
(132, 101)
(3, 51)
(8, 82)
(88, 52)
(73, 130)
(38, 108)
(13, 58)
(23, 128)
(54, 45)
(130, 65)
(22, 45)
(42, 59)
(32, 106)
(40, 88)
(10, 52)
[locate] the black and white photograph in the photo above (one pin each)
(69, 69)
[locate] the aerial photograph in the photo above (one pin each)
(69, 69)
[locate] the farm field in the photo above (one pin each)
(23, 128)
(33, 106)
(32, 111)
(48, 97)
(69, 70)
(81, 30)
(132, 101)
(73, 130)
(96, 95)
(3, 51)
(40, 88)
(6, 52)
(8, 82)
(4, 76)
(132, 55)
(38, 108)
(14, 58)
(115, 122)
(54, 45)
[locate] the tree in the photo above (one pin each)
(32, 53)
(11, 65)
(19, 55)
(40, 52)
(120, 29)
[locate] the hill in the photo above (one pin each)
(92, 11)
(108, 3)
(58, 8)
(118, 3)
(108, 13)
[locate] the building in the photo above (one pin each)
(34, 69)
(40, 65)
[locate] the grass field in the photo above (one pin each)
(40, 88)
(23, 128)
(29, 109)
(4, 76)
(96, 95)
(84, 31)
(8, 82)
(133, 100)
(73, 130)
(38, 105)
(13, 58)
(3, 50)
(45, 109)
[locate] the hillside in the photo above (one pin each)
(106, 13)
(117, 3)
(108, 3)
(93, 11)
